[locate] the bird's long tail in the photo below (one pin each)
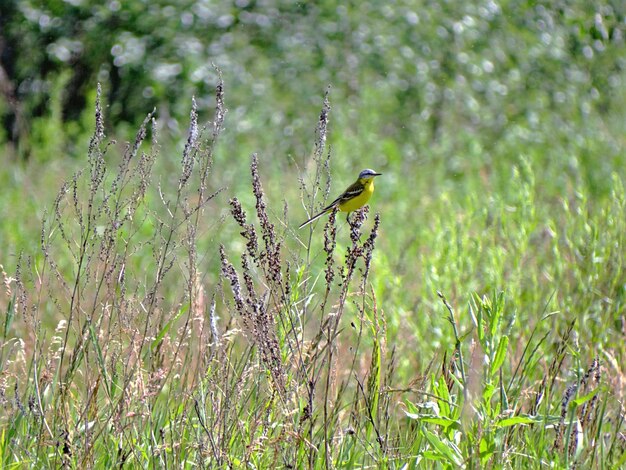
(315, 217)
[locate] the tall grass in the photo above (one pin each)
(119, 350)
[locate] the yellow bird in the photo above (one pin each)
(353, 198)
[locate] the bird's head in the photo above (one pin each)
(368, 174)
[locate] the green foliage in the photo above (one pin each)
(170, 314)
(404, 75)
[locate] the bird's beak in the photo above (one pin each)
(377, 174)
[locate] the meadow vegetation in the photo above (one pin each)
(161, 309)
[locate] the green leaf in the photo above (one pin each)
(441, 421)
(444, 394)
(584, 399)
(411, 407)
(166, 328)
(100, 358)
(486, 450)
(498, 360)
(494, 318)
(488, 392)
(476, 314)
(507, 422)
(443, 448)
(8, 319)
(433, 455)
(416, 411)
(373, 385)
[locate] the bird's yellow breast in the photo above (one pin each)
(360, 200)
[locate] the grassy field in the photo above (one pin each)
(161, 309)
(173, 315)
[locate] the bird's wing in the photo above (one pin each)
(353, 191)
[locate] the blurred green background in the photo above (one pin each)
(407, 77)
